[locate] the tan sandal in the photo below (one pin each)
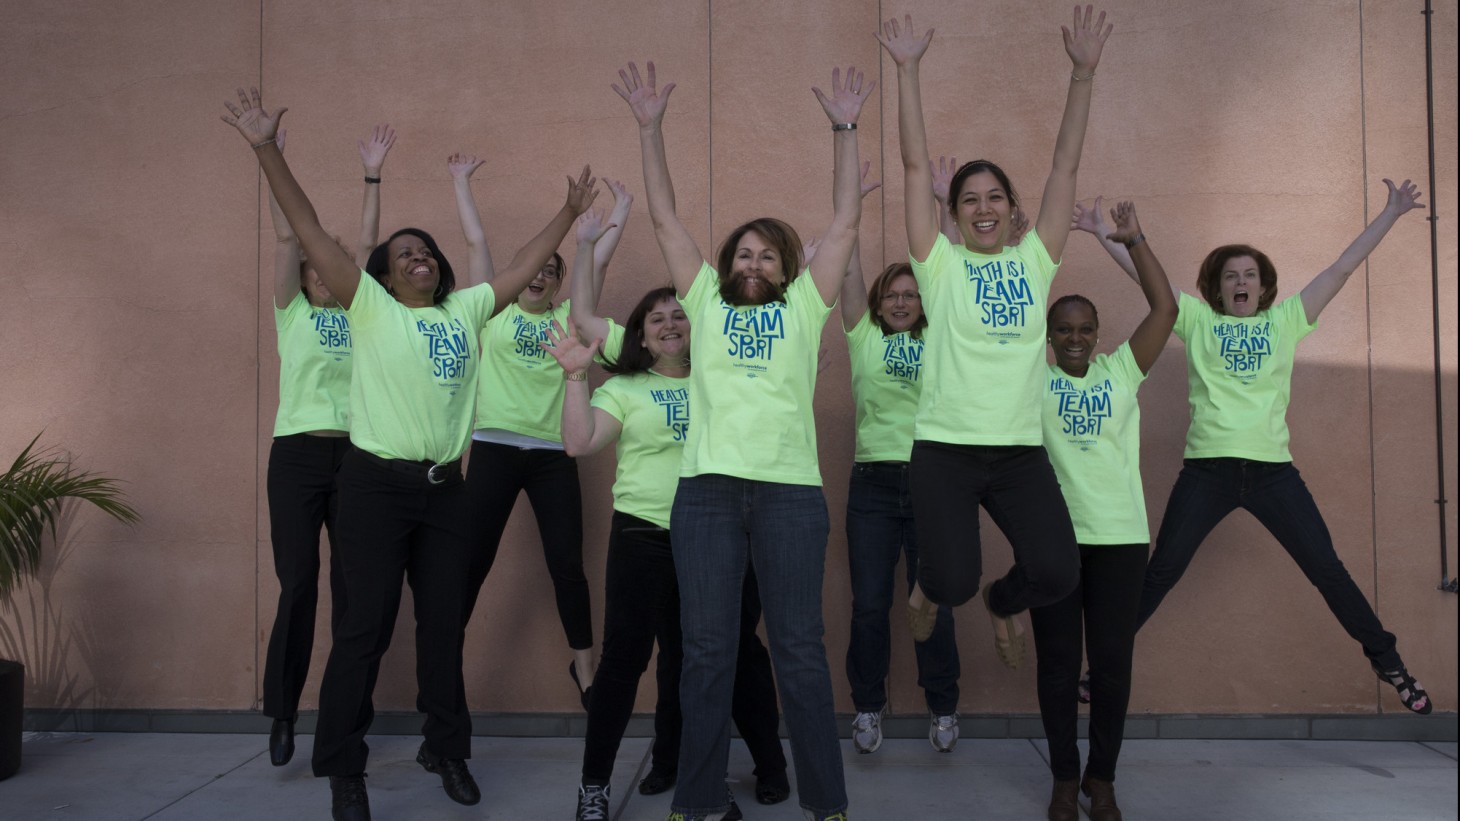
(922, 618)
(1009, 649)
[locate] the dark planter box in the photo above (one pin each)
(12, 715)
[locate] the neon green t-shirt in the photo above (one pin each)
(414, 389)
(886, 381)
(985, 351)
(654, 412)
(753, 379)
(521, 386)
(1239, 373)
(314, 368)
(1092, 430)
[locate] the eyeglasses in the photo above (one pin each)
(906, 296)
(550, 273)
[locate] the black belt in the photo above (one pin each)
(434, 473)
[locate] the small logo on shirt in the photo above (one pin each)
(1001, 290)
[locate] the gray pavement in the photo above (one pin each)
(178, 776)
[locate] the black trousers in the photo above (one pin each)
(1017, 486)
(498, 473)
(393, 526)
(641, 606)
(302, 498)
(1103, 606)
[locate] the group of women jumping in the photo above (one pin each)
(389, 373)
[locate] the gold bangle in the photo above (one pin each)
(1077, 78)
(576, 376)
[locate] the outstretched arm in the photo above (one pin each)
(1150, 336)
(1092, 222)
(535, 254)
(1084, 44)
(907, 50)
(286, 250)
(592, 230)
(623, 202)
(585, 429)
(842, 107)
(339, 272)
(372, 156)
(853, 297)
(681, 254)
(1327, 284)
(478, 257)
(942, 180)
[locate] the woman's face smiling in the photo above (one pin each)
(414, 273)
(537, 297)
(757, 272)
(983, 212)
(666, 333)
(1073, 333)
(901, 306)
(1240, 287)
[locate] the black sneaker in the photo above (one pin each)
(348, 799)
(592, 803)
(657, 781)
(455, 777)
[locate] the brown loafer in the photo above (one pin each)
(1063, 805)
(922, 619)
(1102, 799)
(1010, 650)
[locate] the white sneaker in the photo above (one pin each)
(943, 732)
(867, 731)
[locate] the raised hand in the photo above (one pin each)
(1403, 199)
(256, 125)
(1018, 226)
(1085, 41)
(902, 45)
(1127, 227)
(644, 99)
(808, 250)
(868, 187)
(592, 225)
(845, 103)
(373, 150)
(943, 177)
(581, 192)
(622, 197)
(463, 165)
(571, 354)
(279, 140)
(1089, 219)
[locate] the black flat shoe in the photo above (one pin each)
(657, 781)
(582, 693)
(348, 799)
(773, 789)
(455, 777)
(281, 742)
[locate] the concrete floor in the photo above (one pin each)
(199, 776)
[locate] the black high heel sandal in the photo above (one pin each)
(1410, 692)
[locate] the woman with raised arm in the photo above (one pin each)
(1239, 353)
(372, 156)
(1092, 430)
(402, 502)
(517, 442)
(478, 254)
(311, 436)
(750, 482)
(643, 410)
(977, 438)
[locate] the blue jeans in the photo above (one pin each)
(717, 522)
(879, 529)
(1208, 489)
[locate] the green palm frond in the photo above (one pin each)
(31, 492)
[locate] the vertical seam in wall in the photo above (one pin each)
(1369, 348)
(258, 391)
(710, 121)
(882, 143)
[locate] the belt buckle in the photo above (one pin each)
(436, 474)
